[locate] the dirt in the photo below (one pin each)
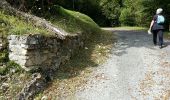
(136, 70)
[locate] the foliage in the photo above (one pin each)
(10, 67)
(104, 12)
(150, 7)
(127, 17)
(111, 9)
(4, 56)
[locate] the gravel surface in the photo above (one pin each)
(136, 70)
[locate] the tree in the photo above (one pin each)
(150, 7)
(111, 9)
(127, 17)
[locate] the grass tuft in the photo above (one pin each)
(10, 24)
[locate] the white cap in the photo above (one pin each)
(159, 11)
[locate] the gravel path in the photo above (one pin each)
(136, 70)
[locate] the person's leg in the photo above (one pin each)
(160, 34)
(154, 37)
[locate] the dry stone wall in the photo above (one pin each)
(38, 51)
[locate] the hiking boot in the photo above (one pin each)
(161, 47)
(164, 45)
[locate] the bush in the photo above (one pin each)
(127, 18)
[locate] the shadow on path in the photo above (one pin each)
(133, 39)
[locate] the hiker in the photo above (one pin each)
(156, 27)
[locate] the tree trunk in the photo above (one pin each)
(39, 22)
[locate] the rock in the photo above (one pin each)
(4, 87)
(13, 70)
(37, 50)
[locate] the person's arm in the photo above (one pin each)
(152, 22)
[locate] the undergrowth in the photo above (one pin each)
(12, 77)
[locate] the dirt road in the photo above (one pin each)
(136, 70)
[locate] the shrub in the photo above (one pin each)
(127, 17)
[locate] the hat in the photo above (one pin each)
(159, 11)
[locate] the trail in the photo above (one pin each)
(136, 70)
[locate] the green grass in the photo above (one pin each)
(73, 22)
(10, 24)
(70, 21)
(130, 28)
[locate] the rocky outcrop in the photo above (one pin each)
(38, 51)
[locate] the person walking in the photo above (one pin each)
(157, 27)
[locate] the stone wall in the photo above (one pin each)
(34, 51)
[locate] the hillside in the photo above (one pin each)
(11, 74)
(70, 21)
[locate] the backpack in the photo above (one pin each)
(160, 19)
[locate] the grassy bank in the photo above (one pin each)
(69, 76)
(67, 20)
(72, 21)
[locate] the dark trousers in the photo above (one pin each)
(158, 33)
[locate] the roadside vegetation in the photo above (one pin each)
(167, 35)
(73, 74)
(10, 24)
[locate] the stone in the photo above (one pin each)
(4, 87)
(23, 52)
(21, 62)
(13, 57)
(30, 62)
(24, 39)
(24, 46)
(32, 41)
(12, 37)
(14, 48)
(32, 51)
